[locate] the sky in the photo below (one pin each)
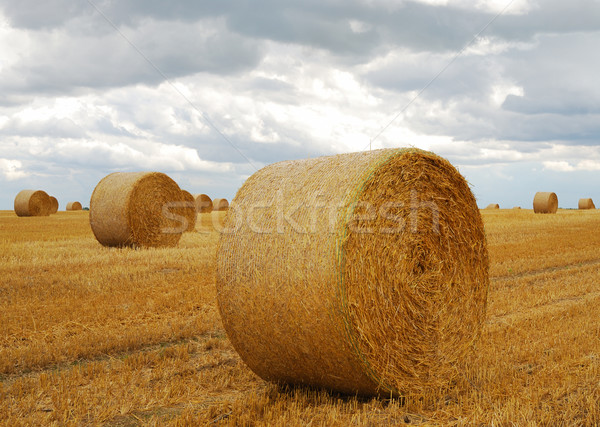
(209, 92)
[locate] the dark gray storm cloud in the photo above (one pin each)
(78, 48)
(558, 77)
(60, 63)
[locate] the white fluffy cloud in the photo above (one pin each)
(11, 169)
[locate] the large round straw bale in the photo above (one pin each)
(493, 206)
(586, 204)
(361, 273)
(545, 202)
(32, 203)
(220, 204)
(53, 205)
(73, 206)
(204, 203)
(188, 210)
(135, 209)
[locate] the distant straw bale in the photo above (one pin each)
(493, 206)
(135, 209)
(545, 202)
(53, 205)
(517, 207)
(73, 206)
(220, 204)
(586, 204)
(362, 273)
(204, 203)
(32, 203)
(188, 210)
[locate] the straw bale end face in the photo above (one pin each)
(368, 272)
(187, 210)
(53, 205)
(545, 202)
(136, 209)
(32, 203)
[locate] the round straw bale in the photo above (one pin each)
(53, 205)
(545, 202)
(73, 206)
(493, 206)
(220, 204)
(135, 209)
(517, 207)
(32, 203)
(188, 210)
(586, 204)
(362, 273)
(204, 203)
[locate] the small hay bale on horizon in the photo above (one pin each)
(133, 209)
(73, 206)
(517, 207)
(586, 204)
(315, 289)
(53, 205)
(204, 203)
(188, 210)
(220, 204)
(32, 203)
(545, 202)
(493, 206)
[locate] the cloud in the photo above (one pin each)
(68, 61)
(565, 166)
(121, 155)
(288, 80)
(11, 169)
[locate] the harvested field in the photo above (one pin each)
(118, 336)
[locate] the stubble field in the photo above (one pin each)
(97, 336)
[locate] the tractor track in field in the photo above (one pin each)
(532, 273)
(530, 312)
(57, 367)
